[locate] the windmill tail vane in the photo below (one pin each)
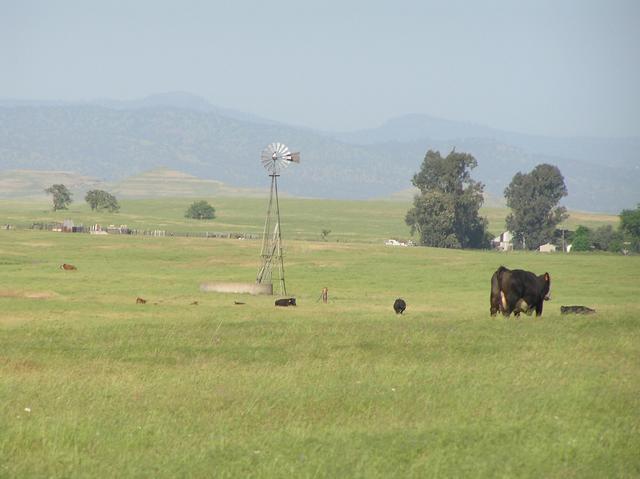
(295, 157)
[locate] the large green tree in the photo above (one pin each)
(100, 199)
(61, 196)
(533, 198)
(445, 213)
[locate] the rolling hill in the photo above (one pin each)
(156, 183)
(113, 141)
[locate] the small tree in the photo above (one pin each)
(606, 238)
(533, 199)
(201, 210)
(324, 233)
(99, 199)
(61, 196)
(581, 239)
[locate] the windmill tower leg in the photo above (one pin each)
(278, 246)
(272, 242)
(264, 273)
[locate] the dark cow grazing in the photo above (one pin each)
(286, 302)
(576, 310)
(399, 306)
(139, 300)
(516, 291)
(68, 267)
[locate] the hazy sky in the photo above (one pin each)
(547, 67)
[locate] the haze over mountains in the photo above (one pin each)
(113, 140)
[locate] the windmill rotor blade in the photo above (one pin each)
(266, 161)
(284, 150)
(266, 154)
(269, 150)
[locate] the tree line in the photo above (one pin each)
(99, 200)
(96, 199)
(445, 212)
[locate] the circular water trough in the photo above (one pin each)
(247, 288)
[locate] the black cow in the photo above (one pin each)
(399, 306)
(516, 291)
(286, 302)
(576, 310)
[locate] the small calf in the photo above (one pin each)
(68, 267)
(576, 310)
(139, 300)
(286, 302)
(399, 306)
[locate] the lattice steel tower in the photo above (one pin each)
(274, 158)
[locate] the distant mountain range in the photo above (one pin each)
(113, 140)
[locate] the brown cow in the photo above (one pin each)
(139, 300)
(68, 267)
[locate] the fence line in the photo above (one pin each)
(57, 227)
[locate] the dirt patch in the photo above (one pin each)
(27, 294)
(19, 365)
(37, 244)
(112, 247)
(220, 260)
(326, 246)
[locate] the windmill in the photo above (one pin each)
(275, 157)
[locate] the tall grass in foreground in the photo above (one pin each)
(94, 385)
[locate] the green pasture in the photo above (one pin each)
(94, 385)
(302, 219)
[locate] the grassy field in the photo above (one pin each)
(303, 219)
(94, 385)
